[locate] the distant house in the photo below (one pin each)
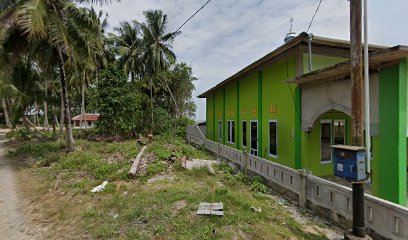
(88, 120)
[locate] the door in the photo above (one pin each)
(325, 141)
(339, 131)
(254, 138)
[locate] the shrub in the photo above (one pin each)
(40, 149)
(258, 185)
(182, 122)
(225, 167)
(118, 101)
(20, 134)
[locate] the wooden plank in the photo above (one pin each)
(212, 206)
(135, 165)
(211, 209)
(209, 212)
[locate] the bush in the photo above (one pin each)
(20, 134)
(182, 123)
(118, 101)
(258, 185)
(39, 150)
(84, 133)
(225, 167)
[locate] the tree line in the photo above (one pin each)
(57, 60)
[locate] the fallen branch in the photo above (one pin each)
(135, 164)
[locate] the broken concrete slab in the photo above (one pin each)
(216, 209)
(198, 163)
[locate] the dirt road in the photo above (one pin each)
(12, 225)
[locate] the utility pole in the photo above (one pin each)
(356, 59)
(357, 110)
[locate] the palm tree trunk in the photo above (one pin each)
(35, 114)
(172, 97)
(65, 99)
(151, 104)
(62, 117)
(83, 103)
(27, 123)
(46, 124)
(5, 111)
(56, 119)
(53, 122)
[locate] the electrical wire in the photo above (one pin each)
(291, 90)
(314, 15)
(178, 29)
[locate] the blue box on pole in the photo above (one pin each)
(349, 162)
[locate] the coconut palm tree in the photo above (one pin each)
(64, 26)
(128, 45)
(158, 54)
(86, 71)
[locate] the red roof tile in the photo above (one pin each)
(86, 117)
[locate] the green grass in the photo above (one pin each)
(134, 209)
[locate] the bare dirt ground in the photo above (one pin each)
(12, 223)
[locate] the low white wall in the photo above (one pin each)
(384, 219)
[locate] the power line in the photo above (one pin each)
(314, 15)
(192, 15)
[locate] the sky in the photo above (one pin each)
(228, 35)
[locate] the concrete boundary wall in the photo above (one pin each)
(384, 219)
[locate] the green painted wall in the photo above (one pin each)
(298, 128)
(278, 103)
(311, 145)
(231, 110)
(389, 170)
(261, 128)
(248, 104)
(210, 117)
(219, 112)
(310, 142)
(320, 61)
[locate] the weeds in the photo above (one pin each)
(258, 185)
(147, 211)
(155, 168)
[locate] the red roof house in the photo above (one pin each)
(88, 120)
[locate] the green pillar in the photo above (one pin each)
(390, 167)
(214, 122)
(237, 125)
(224, 125)
(298, 122)
(260, 126)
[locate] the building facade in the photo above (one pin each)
(286, 110)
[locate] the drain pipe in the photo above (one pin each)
(367, 93)
(310, 51)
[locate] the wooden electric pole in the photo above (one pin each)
(356, 59)
(357, 110)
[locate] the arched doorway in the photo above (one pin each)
(330, 128)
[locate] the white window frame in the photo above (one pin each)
(220, 131)
(269, 138)
(331, 140)
(250, 137)
(230, 139)
(242, 133)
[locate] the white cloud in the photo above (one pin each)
(229, 35)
